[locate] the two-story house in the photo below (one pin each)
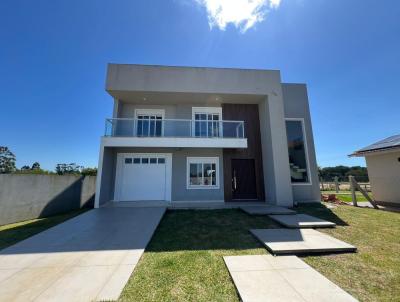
(206, 134)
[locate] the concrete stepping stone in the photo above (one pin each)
(300, 241)
(302, 221)
(283, 278)
(267, 210)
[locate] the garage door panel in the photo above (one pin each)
(144, 179)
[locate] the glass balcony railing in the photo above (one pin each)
(157, 127)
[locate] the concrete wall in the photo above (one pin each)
(179, 190)
(130, 77)
(108, 162)
(384, 175)
(24, 197)
(296, 106)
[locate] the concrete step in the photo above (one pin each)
(283, 278)
(300, 241)
(267, 210)
(301, 221)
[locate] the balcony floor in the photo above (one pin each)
(174, 142)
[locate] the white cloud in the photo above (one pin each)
(241, 13)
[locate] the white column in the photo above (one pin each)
(277, 181)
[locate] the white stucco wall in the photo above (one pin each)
(384, 175)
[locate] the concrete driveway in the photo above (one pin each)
(87, 258)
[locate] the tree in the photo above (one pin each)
(36, 166)
(7, 160)
(72, 168)
(343, 172)
(25, 168)
(89, 171)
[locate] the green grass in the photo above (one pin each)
(373, 273)
(12, 233)
(348, 198)
(183, 261)
(346, 195)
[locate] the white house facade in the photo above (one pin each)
(206, 134)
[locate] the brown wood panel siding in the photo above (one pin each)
(249, 114)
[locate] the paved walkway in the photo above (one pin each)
(301, 221)
(300, 241)
(87, 258)
(284, 278)
(266, 210)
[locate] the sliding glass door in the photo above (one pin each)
(149, 125)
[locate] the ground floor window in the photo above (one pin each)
(202, 172)
(297, 151)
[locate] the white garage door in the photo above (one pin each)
(142, 177)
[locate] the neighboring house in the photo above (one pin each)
(383, 163)
(206, 134)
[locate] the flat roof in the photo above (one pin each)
(194, 67)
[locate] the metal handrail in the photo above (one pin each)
(112, 125)
(178, 120)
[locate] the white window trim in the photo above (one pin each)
(202, 160)
(301, 120)
(168, 177)
(149, 111)
(205, 110)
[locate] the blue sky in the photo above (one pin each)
(53, 57)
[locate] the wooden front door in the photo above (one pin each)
(243, 179)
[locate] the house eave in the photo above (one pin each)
(374, 152)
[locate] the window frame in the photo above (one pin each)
(149, 111)
(207, 110)
(202, 160)
(302, 122)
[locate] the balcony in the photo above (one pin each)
(158, 132)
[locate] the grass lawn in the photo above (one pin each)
(346, 195)
(183, 261)
(12, 233)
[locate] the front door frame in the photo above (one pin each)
(168, 171)
(255, 179)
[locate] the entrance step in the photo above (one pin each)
(267, 210)
(299, 241)
(284, 278)
(301, 221)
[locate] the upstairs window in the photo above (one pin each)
(149, 122)
(207, 121)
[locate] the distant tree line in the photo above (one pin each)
(8, 159)
(343, 173)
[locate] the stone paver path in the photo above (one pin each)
(87, 258)
(283, 278)
(297, 241)
(266, 210)
(301, 221)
